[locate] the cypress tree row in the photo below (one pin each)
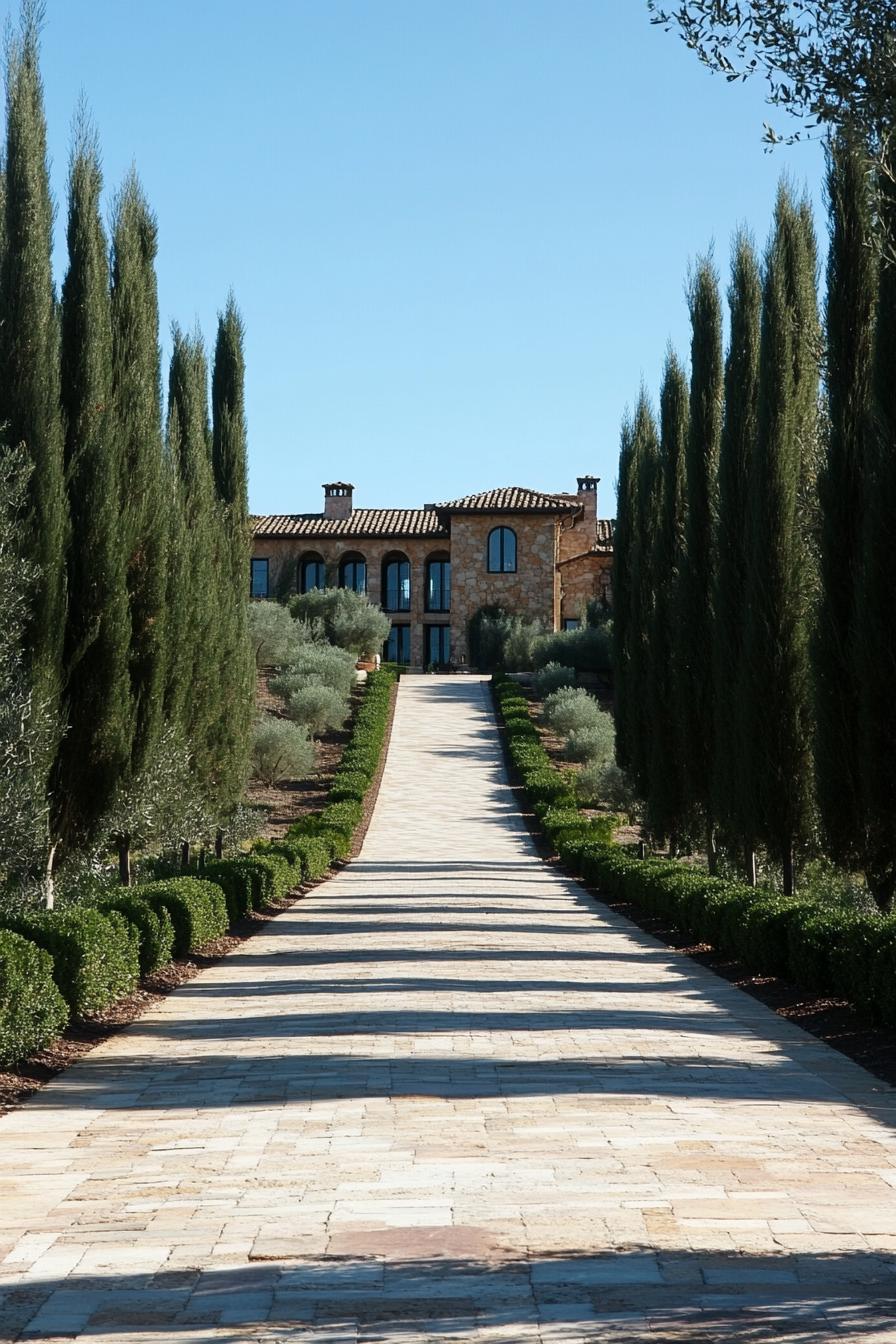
(666, 806)
(736, 452)
(95, 749)
(237, 667)
(875, 642)
(697, 580)
(136, 373)
(775, 697)
(850, 311)
(29, 364)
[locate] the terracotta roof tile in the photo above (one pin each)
(512, 499)
(361, 523)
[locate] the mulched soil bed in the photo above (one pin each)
(833, 1021)
(17, 1084)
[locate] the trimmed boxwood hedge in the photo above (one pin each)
(155, 931)
(32, 1010)
(197, 908)
(828, 950)
(96, 957)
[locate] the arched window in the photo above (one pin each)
(438, 583)
(353, 573)
(396, 594)
(312, 572)
(502, 551)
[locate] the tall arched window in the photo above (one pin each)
(312, 572)
(502, 551)
(353, 572)
(396, 594)
(438, 583)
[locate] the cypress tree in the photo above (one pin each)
(875, 643)
(733, 539)
(851, 298)
(229, 461)
(94, 752)
(29, 360)
(697, 579)
(138, 398)
(641, 444)
(667, 805)
(623, 542)
(191, 699)
(776, 700)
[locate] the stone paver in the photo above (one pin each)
(449, 1096)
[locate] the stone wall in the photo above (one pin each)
(581, 579)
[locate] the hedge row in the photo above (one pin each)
(824, 949)
(66, 963)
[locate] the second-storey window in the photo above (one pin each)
(502, 551)
(396, 595)
(438, 583)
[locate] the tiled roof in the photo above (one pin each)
(361, 523)
(512, 499)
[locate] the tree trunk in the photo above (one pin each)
(124, 860)
(789, 872)
(751, 866)
(712, 849)
(185, 856)
(201, 864)
(882, 886)
(642, 850)
(219, 844)
(49, 884)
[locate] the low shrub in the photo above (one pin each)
(607, 784)
(588, 649)
(275, 636)
(282, 874)
(315, 856)
(155, 931)
(594, 744)
(96, 953)
(317, 708)
(197, 907)
(551, 678)
(32, 1010)
(349, 786)
(570, 710)
(281, 750)
(239, 881)
(319, 665)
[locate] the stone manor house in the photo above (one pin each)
(539, 555)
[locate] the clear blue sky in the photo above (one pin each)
(458, 232)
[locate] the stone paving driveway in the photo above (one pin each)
(447, 1096)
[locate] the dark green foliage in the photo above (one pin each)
(624, 617)
(349, 785)
(32, 1010)
(155, 930)
(314, 855)
(851, 298)
(696, 585)
(775, 692)
(96, 957)
(876, 645)
(231, 731)
(239, 881)
(198, 909)
(281, 873)
(635, 668)
(487, 631)
(29, 360)
(144, 524)
(95, 751)
(191, 698)
(588, 649)
(666, 804)
(733, 537)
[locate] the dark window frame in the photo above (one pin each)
(259, 560)
(402, 632)
(442, 631)
(311, 558)
(443, 598)
(396, 597)
(353, 560)
(499, 537)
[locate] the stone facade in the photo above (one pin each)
(563, 553)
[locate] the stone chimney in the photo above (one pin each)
(338, 500)
(587, 492)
